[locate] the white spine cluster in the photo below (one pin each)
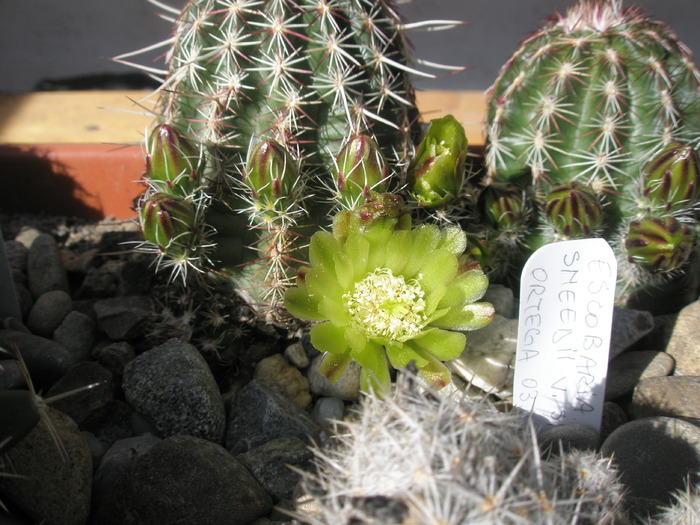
(414, 457)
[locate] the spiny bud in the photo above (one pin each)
(672, 177)
(503, 205)
(361, 169)
(167, 221)
(173, 163)
(377, 207)
(659, 244)
(436, 174)
(573, 209)
(271, 172)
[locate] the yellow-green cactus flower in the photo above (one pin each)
(385, 295)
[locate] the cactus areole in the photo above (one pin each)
(590, 97)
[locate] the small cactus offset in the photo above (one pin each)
(417, 457)
(592, 128)
(263, 107)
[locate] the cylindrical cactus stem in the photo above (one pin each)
(573, 209)
(361, 169)
(671, 179)
(173, 163)
(659, 244)
(436, 174)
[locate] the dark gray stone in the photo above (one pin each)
(563, 438)
(655, 456)
(114, 357)
(614, 416)
(121, 318)
(16, 254)
(78, 334)
(684, 343)
(328, 409)
(48, 312)
(677, 396)
(50, 487)
(270, 465)
(629, 368)
(46, 360)
(173, 388)
(184, 480)
(628, 327)
(45, 271)
(80, 404)
(259, 415)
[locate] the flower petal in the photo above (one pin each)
(333, 366)
(442, 344)
(322, 248)
(328, 337)
(300, 304)
(425, 240)
(375, 377)
(400, 355)
(334, 311)
(468, 317)
(435, 374)
(398, 251)
(453, 239)
(357, 248)
(466, 288)
(439, 268)
(321, 282)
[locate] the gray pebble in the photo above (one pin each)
(328, 409)
(655, 456)
(564, 438)
(684, 344)
(48, 312)
(677, 396)
(78, 334)
(45, 271)
(24, 299)
(270, 464)
(502, 299)
(346, 388)
(83, 401)
(46, 360)
(184, 479)
(259, 414)
(628, 327)
(10, 375)
(296, 355)
(627, 369)
(173, 388)
(16, 254)
(51, 488)
(614, 416)
(114, 357)
(121, 318)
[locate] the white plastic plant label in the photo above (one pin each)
(567, 293)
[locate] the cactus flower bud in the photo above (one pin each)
(172, 162)
(573, 209)
(167, 221)
(504, 206)
(436, 174)
(659, 244)
(361, 169)
(672, 177)
(271, 172)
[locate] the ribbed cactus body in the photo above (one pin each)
(307, 74)
(589, 97)
(595, 118)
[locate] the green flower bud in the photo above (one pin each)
(378, 207)
(573, 209)
(271, 172)
(361, 169)
(173, 163)
(436, 174)
(168, 222)
(659, 244)
(672, 177)
(504, 206)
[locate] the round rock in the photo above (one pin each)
(347, 387)
(45, 271)
(629, 368)
(184, 479)
(677, 396)
(655, 457)
(48, 312)
(278, 374)
(684, 344)
(173, 388)
(77, 333)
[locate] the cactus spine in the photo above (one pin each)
(574, 116)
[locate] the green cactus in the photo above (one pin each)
(301, 81)
(595, 118)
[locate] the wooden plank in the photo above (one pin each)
(114, 117)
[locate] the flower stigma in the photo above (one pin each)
(386, 307)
